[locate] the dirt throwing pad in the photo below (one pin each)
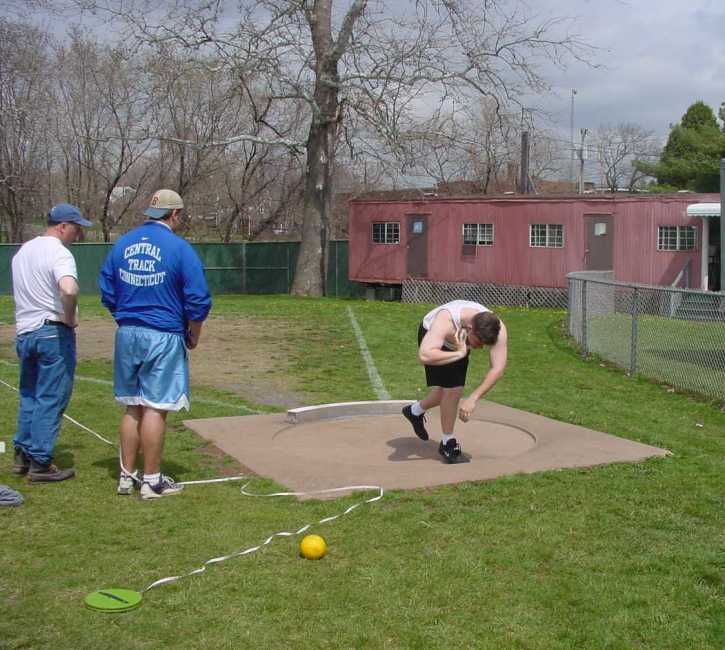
(113, 600)
(351, 443)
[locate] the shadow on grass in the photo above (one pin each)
(110, 464)
(708, 359)
(63, 456)
(557, 333)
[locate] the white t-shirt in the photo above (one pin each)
(37, 268)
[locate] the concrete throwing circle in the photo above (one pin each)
(371, 443)
(500, 440)
(376, 440)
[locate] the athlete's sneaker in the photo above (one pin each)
(417, 421)
(125, 484)
(451, 451)
(166, 487)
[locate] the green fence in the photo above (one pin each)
(256, 267)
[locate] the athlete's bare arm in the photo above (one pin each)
(498, 356)
(442, 328)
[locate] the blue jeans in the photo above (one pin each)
(47, 366)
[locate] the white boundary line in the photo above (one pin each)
(208, 402)
(252, 549)
(375, 378)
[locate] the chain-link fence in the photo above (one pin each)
(673, 335)
(424, 291)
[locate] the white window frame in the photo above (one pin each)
(680, 242)
(551, 235)
(391, 232)
(482, 237)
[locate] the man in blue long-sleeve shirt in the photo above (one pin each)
(153, 283)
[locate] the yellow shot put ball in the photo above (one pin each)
(312, 547)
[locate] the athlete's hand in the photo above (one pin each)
(465, 408)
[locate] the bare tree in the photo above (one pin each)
(379, 63)
(480, 146)
(200, 107)
(195, 106)
(544, 156)
(438, 148)
(25, 101)
(251, 179)
(617, 147)
(102, 132)
(494, 152)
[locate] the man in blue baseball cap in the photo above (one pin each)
(67, 213)
(45, 289)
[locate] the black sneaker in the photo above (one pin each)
(417, 422)
(451, 451)
(21, 463)
(39, 473)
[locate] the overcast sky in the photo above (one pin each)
(659, 57)
(656, 58)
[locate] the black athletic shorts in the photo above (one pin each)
(451, 375)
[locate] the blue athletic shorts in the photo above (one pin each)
(150, 368)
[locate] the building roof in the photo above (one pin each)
(607, 197)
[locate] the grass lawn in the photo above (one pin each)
(620, 556)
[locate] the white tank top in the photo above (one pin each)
(454, 309)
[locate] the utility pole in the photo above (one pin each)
(524, 180)
(583, 133)
(571, 126)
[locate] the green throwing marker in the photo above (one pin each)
(113, 600)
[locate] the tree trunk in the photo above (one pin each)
(310, 274)
(106, 217)
(311, 262)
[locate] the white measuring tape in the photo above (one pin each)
(286, 533)
(252, 549)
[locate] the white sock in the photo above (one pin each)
(152, 479)
(446, 437)
(416, 410)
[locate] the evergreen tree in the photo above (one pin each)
(691, 157)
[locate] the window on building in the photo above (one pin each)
(676, 238)
(546, 235)
(386, 232)
(478, 234)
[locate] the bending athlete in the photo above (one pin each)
(446, 337)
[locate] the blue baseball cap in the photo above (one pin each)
(67, 213)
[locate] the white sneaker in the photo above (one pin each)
(125, 484)
(166, 487)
